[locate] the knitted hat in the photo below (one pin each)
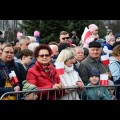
(108, 31)
(94, 72)
(95, 44)
(110, 82)
(36, 33)
(117, 35)
(28, 86)
(19, 34)
(92, 27)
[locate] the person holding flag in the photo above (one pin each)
(90, 34)
(68, 76)
(95, 91)
(92, 60)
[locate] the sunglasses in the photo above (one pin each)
(65, 38)
(46, 55)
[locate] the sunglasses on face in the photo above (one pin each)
(42, 55)
(65, 38)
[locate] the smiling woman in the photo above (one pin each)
(70, 77)
(43, 74)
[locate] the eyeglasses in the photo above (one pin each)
(111, 89)
(46, 55)
(7, 52)
(65, 38)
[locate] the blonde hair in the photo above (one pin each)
(32, 46)
(65, 55)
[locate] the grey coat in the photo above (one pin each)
(86, 65)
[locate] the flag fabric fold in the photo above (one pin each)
(105, 59)
(85, 34)
(103, 79)
(60, 68)
(13, 77)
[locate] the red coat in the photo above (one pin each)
(37, 76)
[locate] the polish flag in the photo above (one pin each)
(85, 34)
(60, 68)
(13, 77)
(105, 59)
(103, 79)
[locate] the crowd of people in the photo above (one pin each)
(35, 66)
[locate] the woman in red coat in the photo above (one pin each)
(43, 74)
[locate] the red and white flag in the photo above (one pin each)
(103, 79)
(105, 59)
(60, 68)
(85, 34)
(13, 77)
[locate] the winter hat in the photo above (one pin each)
(108, 31)
(117, 35)
(92, 27)
(19, 34)
(95, 44)
(94, 72)
(36, 33)
(28, 86)
(110, 82)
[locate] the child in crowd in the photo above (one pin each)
(111, 89)
(94, 91)
(29, 95)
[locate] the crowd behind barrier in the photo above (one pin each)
(69, 89)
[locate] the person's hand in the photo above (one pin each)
(80, 84)
(17, 88)
(57, 86)
(109, 74)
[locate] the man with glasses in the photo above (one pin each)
(64, 37)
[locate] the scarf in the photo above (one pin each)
(48, 69)
(68, 69)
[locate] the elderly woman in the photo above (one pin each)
(70, 78)
(43, 74)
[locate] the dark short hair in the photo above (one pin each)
(40, 47)
(62, 46)
(26, 52)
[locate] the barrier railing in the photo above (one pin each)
(68, 93)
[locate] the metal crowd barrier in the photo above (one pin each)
(78, 94)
